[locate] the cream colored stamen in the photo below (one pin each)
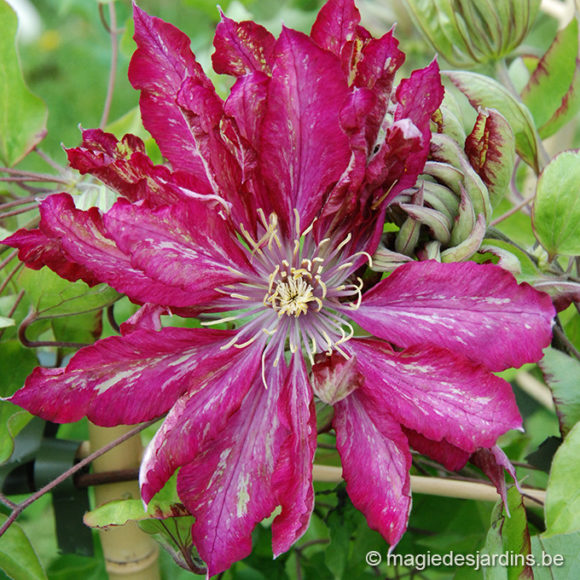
(293, 295)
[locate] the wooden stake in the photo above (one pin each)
(130, 553)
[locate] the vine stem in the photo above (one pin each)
(20, 175)
(19, 508)
(112, 29)
(512, 211)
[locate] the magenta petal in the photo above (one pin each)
(437, 393)
(162, 62)
(380, 59)
(216, 143)
(124, 380)
(200, 414)
(476, 310)
(375, 464)
(335, 25)
(397, 163)
(228, 485)
(242, 47)
(147, 317)
(36, 250)
(293, 476)
(124, 166)
(304, 150)
(84, 241)
(493, 462)
(188, 246)
(448, 455)
(419, 97)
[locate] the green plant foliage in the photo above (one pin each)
(509, 534)
(22, 114)
(547, 93)
(562, 374)
(17, 557)
(563, 494)
(483, 91)
(557, 207)
(17, 363)
(558, 557)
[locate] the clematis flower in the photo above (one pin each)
(270, 208)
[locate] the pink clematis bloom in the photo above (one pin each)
(272, 203)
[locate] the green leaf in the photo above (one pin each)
(22, 114)
(164, 504)
(16, 363)
(567, 110)
(553, 75)
(115, 513)
(73, 567)
(483, 91)
(556, 212)
(6, 322)
(52, 296)
(556, 557)
(562, 505)
(342, 523)
(174, 534)
(562, 374)
(509, 534)
(17, 556)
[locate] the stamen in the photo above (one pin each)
(297, 222)
(322, 285)
(309, 228)
(248, 342)
(240, 296)
(379, 201)
(345, 265)
(343, 243)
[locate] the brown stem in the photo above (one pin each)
(31, 318)
(8, 259)
(7, 502)
(49, 160)
(102, 477)
(112, 29)
(18, 509)
(10, 276)
(21, 175)
(17, 202)
(512, 211)
(19, 298)
(18, 211)
(565, 342)
(111, 318)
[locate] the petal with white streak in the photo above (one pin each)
(437, 393)
(228, 486)
(375, 463)
(476, 310)
(125, 380)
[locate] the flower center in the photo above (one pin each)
(293, 292)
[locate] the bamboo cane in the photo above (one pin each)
(130, 553)
(442, 486)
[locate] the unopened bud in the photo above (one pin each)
(466, 33)
(334, 377)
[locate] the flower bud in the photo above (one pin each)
(466, 33)
(334, 377)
